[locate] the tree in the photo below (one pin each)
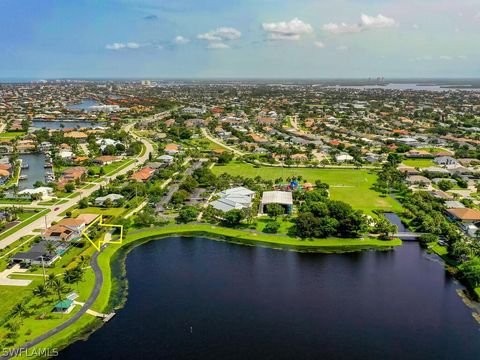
(445, 185)
(179, 197)
(69, 187)
(50, 247)
(57, 285)
(41, 291)
(305, 224)
(233, 217)
(427, 238)
(225, 158)
(83, 203)
(187, 214)
(271, 227)
(189, 184)
(384, 228)
(275, 210)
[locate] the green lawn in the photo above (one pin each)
(418, 163)
(15, 201)
(284, 225)
(24, 223)
(348, 185)
(11, 134)
(101, 211)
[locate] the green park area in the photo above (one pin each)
(353, 186)
(11, 134)
(418, 163)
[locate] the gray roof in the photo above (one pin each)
(225, 205)
(277, 197)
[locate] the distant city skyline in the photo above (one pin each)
(239, 39)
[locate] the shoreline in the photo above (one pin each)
(112, 260)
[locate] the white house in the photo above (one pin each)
(99, 201)
(235, 198)
(44, 191)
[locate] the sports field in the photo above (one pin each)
(349, 185)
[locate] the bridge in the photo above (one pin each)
(408, 236)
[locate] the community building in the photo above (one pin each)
(235, 198)
(283, 198)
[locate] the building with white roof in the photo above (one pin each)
(235, 198)
(283, 198)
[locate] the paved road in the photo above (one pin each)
(212, 139)
(54, 214)
(93, 296)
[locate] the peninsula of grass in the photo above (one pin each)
(353, 186)
(113, 256)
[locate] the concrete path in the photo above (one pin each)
(93, 297)
(5, 280)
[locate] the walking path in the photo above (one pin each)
(91, 300)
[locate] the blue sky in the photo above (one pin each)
(242, 38)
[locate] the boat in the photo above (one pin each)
(48, 165)
(25, 165)
(23, 177)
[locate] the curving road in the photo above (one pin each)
(91, 300)
(93, 262)
(53, 215)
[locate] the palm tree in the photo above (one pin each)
(19, 309)
(58, 286)
(50, 247)
(41, 291)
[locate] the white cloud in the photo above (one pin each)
(217, 46)
(180, 40)
(342, 48)
(319, 44)
(366, 23)
(445, 57)
(120, 46)
(342, 28)
(292, 30)
(462, 57)
(220, 34)
(377, 22)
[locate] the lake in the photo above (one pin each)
(39, 124)
(192, 298)
(84, 105)
(402, 86)
(35, 172)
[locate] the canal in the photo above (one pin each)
(35, 171)
(192, 298)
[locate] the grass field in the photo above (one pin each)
(11, 134)
(349, 185)
(28, 220)
(100, 211)
(418, 163)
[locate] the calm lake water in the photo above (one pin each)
(84, 105)
(192, 298)
(393, 86)
(66, 124)
(35, 172)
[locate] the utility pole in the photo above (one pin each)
(43, 269)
